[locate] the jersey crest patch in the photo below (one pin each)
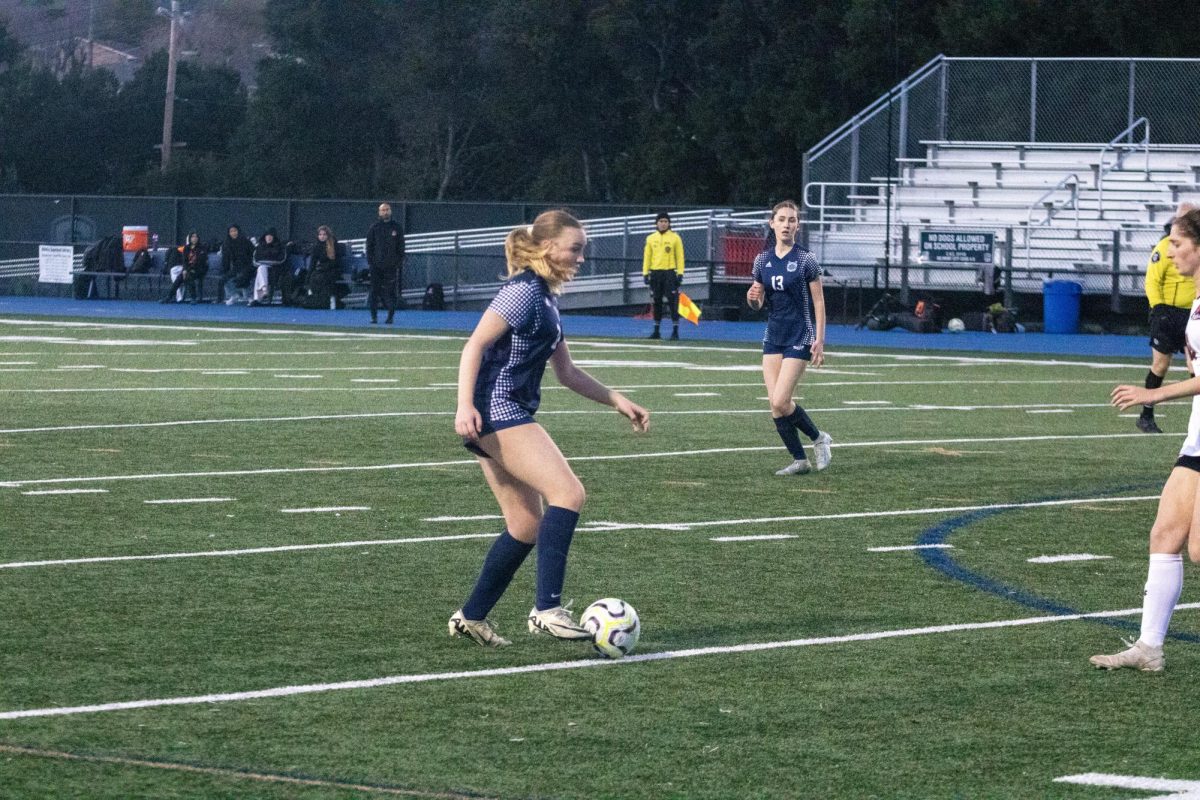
(792, 266)
(1155, 256)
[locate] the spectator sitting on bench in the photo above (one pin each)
(189, 273)
(237, 266)
(325, 287)
(270, 256)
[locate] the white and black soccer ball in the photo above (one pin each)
(956, 325)
(614, 626)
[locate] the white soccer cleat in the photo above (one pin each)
(1139, 656)
(557, 622)
(479, 631)
(821, 454)
(798, 467)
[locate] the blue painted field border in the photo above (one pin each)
(943, 561)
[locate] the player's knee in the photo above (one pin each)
(570, 494)
(781, 406)
(1166, 538)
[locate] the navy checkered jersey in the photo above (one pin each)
(788, 298)
(510, 375)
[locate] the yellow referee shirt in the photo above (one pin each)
(663, 251)
(1164, 284)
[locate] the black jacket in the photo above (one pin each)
(385, 245)
(273, 253)
(237, 257)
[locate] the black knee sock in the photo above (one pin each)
(800, 419)
(787, 432)
(1152, 382)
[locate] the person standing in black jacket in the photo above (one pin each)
(385, 256)
(237, 265)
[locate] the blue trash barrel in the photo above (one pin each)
(1060, 306)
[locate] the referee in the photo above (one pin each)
(1170, 295)
(662, 269)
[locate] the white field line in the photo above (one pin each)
(67, 491)
(297, 376)
(249, 551)
(668, 655)
(1066, 557)
(575, 412)
(234, 774)
(748, 348)
(185, 500)
(463, 519)
(905, 547)
(1182, 790)
(208, 370)
(904, 512)
(1049, 411)
(323, 509)
(589, 527)
(37, 324)
(761, 537)
(619, 457)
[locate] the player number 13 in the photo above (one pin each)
(777, 283)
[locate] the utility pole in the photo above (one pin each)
(169, 104)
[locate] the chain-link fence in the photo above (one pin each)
(1011, 100)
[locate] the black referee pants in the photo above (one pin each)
(664, 288)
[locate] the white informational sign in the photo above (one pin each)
(55, 262)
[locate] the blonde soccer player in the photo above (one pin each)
(499, 390)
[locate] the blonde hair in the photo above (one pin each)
(330, 242)
(526, 247)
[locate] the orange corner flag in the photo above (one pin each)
(689, 310)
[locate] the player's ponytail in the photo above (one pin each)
(526, 248)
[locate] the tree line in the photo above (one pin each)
(637, 101)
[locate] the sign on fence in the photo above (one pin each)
(957, 247)
(54, 263)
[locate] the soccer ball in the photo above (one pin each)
(956, 325)
(614, 626)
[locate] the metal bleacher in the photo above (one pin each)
(1066, 209)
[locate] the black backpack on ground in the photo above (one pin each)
(434, 299)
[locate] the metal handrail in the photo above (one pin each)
(1121, 155)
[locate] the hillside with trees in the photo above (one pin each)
(682, 101)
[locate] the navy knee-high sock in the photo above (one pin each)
(800, 419)
(787, 432)
(502, 561)
(553, 542)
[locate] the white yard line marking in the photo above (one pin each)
(233, 774)
(68, 491)
(573, 412)
(249, 551)
(323, 509)
(210, 372)
(697, 394)
(297, 376)
(1050, 411)
(619, 457)
(1066, 557)
(17, 363)
(867, 402)
(374, 380)
(905, 547)
(82, 366)
(1179, 789)
(763, 537)
(585, 663)
(597, 526)
(462, 519)
(184, 500)
(903, 512)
